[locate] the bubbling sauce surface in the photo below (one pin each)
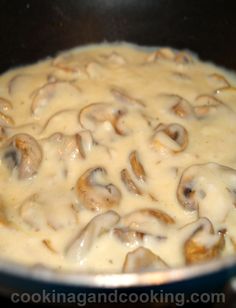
(117, 158)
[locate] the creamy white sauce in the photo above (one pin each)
(46, 206)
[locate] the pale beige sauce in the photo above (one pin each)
(58, 215)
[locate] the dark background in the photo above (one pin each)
(33, 29)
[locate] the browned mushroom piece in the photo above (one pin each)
(93, 193)
(93, 114)
(128, 236)
(200, 183)
(203, 244)
(123, 97)
(22, 152)
(84, 241)
(226, 90)
(218, 81)
(181, 108)
(4, 221)
(48, 244)
(129, 183)
(5, 104)
(172, 137)
(45, 94)
(3, 135)
(147, 214)
(85, 142)
(161, 54)
(208, 104)
(137, 167)
(142, 260)
(69, 146)
(6, 120)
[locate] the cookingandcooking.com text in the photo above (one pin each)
(82, 299)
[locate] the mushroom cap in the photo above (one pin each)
(172, 138)
(209, 189)
(202, 244)
(95, 196)
(96, 113)
(23, 152)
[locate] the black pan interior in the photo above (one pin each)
(34, 29)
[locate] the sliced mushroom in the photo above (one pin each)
(182, 108)
(207, 104)
(128, 236)
(81, 245)
(226, 90)
(70, 147)
(5, 104)
(145, 214)
(162, 54)
(61, 113)
(2, 133)
(48, 244)
(137, 167)
(6, 120)
(95, 196)
(207, 187)
(132, 237)
(71, 65)
(122, 97)
(66, 63)
(203, 244)
(97, 113)
(172, 137)
(42, 96)
(85, 142)
(129, 183)
(4, 221)
(142, 260)
(24, 153)
(218, 80)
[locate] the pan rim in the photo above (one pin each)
(116, 280)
